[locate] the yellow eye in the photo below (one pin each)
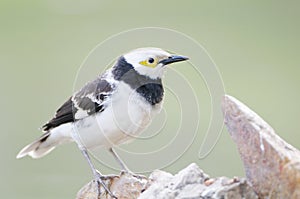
(150, 62)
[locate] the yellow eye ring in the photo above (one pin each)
(150, 62)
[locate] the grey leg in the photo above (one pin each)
(123, 165)
(97, 174)
(118, 159)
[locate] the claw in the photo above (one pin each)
(133, 174)
(97, 175)
(99, 179)
(107, 177)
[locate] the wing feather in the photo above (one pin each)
(89, 100)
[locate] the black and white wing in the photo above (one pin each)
(89, 100)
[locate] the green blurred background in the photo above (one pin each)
(255, 46)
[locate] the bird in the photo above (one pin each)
(110, 110)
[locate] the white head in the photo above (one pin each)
(151, 62)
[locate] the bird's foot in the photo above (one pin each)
(128, 172)
(109, 177)
(99, 178)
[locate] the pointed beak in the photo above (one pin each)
(173, 59)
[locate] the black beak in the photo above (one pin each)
(173, 59)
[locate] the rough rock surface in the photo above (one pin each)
(125, 186)
(192, 183)
(272, 166)
(189, 183)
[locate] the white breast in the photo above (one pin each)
(125, 116)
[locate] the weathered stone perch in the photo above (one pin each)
(272, 168)
(189, 183)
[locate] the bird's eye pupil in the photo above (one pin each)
(151, 60)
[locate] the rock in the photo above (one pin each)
(124, 186)
(189, 183)
(272, 166)
(165, 185)
(193, 183)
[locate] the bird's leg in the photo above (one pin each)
(98, 176)
(118, 159)
(123, 165)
